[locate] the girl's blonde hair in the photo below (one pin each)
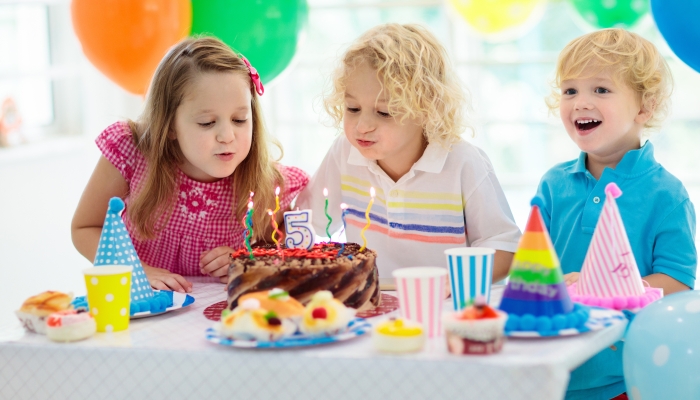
(154, 200)
(632, 60)
(416, 75)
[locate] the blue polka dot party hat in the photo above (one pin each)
(116, 248)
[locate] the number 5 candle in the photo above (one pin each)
(300, 233)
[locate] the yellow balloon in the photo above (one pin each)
(494, 16)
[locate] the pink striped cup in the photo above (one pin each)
(421, 291)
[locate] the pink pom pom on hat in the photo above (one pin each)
(610, 277)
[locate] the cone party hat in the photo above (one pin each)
(115, 248)
(610, 277)
(536, 298)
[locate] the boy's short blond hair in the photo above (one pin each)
(415, 74)
(631, 59)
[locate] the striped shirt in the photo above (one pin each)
(449, 198)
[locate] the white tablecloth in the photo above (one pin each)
(167, 356)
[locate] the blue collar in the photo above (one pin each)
(634, 163)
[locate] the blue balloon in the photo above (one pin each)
(661, 357)
(677, 21)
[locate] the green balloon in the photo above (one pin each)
(266, 32)
(611, 13)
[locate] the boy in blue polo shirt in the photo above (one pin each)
(610, 86)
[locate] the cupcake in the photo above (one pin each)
(35, 309)
(249, 321)
(70, 325)
(277, 301)
(325, 315)
(477, 329)
(398, 336)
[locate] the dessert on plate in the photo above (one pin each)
(398, 335)
(277, 301)
(70, 325)
(325, 315)
(351, 275)
(249, 321)
(477, 329)
(36, 309)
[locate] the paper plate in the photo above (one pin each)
(180, 300)
(598, 319)
(356, 327)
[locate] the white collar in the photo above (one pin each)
(432, 160)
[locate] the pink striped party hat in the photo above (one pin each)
(610, 277)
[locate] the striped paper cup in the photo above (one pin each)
(471, 272)
(421, 291)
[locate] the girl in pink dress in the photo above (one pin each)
(186, 168)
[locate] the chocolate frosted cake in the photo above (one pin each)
(352, 276)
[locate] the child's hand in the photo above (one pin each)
(215, 262)
(162, 279)
(571, 278)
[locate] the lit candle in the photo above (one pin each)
(275, 230)
(272, 215)
(300, 233)
(325, 194)
(249, 228)
(344, 208)
(369, 207)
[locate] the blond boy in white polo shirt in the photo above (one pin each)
(402, 113)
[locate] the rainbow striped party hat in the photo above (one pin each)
(610, 277)
(536, 298)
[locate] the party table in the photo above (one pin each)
(167, 356)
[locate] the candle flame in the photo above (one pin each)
(325, 192)
(371, 191)
(250, 205)
(343, 206)
(277, 191)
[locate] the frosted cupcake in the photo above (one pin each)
(477, 329)
(325, 315)
(36, 309)
(249, 321)
(398, 336)
(70, 325)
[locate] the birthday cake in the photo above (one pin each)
(351, 276)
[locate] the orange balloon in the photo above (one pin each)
(126, 39)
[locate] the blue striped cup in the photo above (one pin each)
(471, 272)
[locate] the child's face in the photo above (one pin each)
(605, 119)
(371, 130)
(214, 125)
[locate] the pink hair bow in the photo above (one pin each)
(254, 76)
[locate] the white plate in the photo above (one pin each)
(356, 327)
(598, 319)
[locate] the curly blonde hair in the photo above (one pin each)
(633, 61)
(415, 72)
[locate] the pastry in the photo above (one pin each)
(249, 321)
(398, 336)
(35, 309)
(477, 329)
(325, 315)
(70, 325)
